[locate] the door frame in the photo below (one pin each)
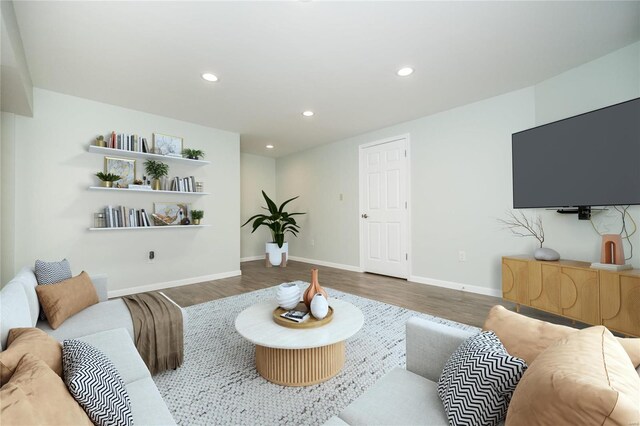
(361, 248)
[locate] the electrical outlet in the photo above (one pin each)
(152, 257)
(341, 197)
(462, 256)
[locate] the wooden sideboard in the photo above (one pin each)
(574, 290)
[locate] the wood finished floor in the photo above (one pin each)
(464, 307)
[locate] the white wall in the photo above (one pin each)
(54, 208)
(257, 173)
(460, 180)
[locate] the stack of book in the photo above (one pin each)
(187, 184)
(128, 142)
(123, 217)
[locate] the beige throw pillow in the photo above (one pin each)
(29, 340)
(526, 337)
(66, 298)
(584, 379)
(35, 395)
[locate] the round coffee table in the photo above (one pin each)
(298, 357)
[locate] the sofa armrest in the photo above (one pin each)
(429, 346)
(100, 283)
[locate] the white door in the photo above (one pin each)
(384, 207)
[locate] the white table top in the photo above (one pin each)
(256, 324)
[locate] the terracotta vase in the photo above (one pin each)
(313, 288)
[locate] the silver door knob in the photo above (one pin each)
(364, 215)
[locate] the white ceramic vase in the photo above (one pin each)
(275, 253)
(319, 306)
(288, 295)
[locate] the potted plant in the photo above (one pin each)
(157, 170)
(279, 223)
(196, 216)
(192, 154)
(107, 178)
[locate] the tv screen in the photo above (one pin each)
(592, 159)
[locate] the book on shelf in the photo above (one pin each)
(186, 184)
(298, 314)
(125, 217)
(128, 142)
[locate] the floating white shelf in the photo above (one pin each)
(138, 228)
(102, 188)
(134, 154)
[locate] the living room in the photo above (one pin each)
(481, 72)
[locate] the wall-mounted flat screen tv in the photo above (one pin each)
(592, 159)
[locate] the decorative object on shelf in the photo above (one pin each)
(107, 178)
(523, 226)
(99, 220)
(288, 295)
(279, 222)
(612, 254)
(157, 170)
(123, 167)
(171, 213)
(100, 141)
(313, 289)
(192, 154)
(199, 186)
(167, 145)
(160, 221)
(196, 216)
(319, 306)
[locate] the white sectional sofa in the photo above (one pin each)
(106, 325)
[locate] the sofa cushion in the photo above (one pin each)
(585, 378)
(95, 383)
(27, 279)
(147, 405)
(119, 348)
(52, 272)
(29, 340)
(400, 397)
(478, 380)
(92, 320)
(61, 300)
(14, 310)
(526, 337)
(35, 395)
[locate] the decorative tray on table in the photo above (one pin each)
(311, 322)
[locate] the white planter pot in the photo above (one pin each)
(275, 253)
(288, 295)
(319, 306)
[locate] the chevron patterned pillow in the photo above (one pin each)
(95, 384)
(478, 380)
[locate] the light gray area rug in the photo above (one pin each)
(218, 383)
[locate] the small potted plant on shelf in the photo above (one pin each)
(157, 170)
(100, 141)
(196, 216)
(192, 154)
(107, 179)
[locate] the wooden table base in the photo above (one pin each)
(300, 367)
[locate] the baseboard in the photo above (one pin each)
(176, 283)
(456, 286)
(328, 264)
(250, 258)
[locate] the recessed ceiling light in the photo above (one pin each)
(403, 72)
(209, 77)
(269, 147)
(307, 113)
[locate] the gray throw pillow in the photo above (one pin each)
(478, 381)
(51, 273)
(95, 384)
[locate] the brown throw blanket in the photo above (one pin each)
(157, 325)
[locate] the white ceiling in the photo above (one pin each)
(276, 59)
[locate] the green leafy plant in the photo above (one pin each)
(192, 154)
(156, 169)
(278, 221)
(108, 177)
(197, 214)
